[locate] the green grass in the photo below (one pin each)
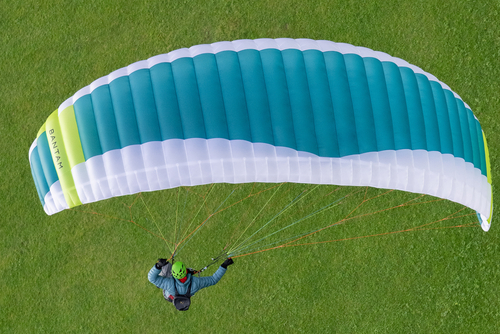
(76, 272)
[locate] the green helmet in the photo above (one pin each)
(179, 270)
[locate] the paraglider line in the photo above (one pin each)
(183, 211)
(387, 209)
(192, 234)
(326, 207)
(159, 230)
(222, 255)
(99, 214)
(413, 229)
(125, 220)
(176, 215)
(258, 214)
(299, 237)
(191, 223)
(276, 216)
(251, 194)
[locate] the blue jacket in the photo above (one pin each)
(167, 283)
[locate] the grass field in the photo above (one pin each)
(84, 273)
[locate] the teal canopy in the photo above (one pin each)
(263, 110)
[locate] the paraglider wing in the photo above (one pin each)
(263, 110)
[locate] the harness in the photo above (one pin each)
(182, 302)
